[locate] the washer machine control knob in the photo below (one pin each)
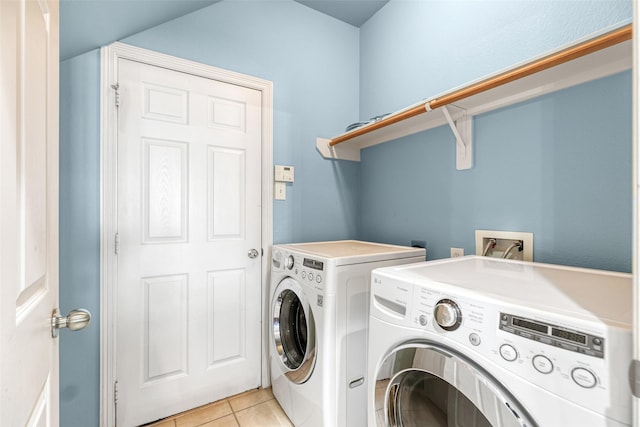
(288, 263)
(447, 314)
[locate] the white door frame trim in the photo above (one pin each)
(108, 211)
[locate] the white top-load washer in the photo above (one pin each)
(318, 319)
(477, 341)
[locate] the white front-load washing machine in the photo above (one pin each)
(318, 320)
(481, 342)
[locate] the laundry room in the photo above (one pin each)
(558, 165)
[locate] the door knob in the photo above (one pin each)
(253, 253)
(76, 319)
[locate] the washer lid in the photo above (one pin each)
(354, 251)
(569, 291)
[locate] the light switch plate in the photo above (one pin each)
(280, 191)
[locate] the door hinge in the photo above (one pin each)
(634, 377)
(115, 87)
(116, 243)
(115, 404)
(261, 251)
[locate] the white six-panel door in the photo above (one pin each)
(28, 212)
(636, 212)
(189, 213)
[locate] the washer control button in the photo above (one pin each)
(311, 277)
(584, 377)
(508, 352)
(303, 274)
(423, 320)
(542, 364)
(474, 339)
(318, 278)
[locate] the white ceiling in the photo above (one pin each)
(88, 24)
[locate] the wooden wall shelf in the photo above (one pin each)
(587, 60)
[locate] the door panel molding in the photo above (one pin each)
(29, 218)
(108, 240)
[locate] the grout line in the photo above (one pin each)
(251, 406)
(248, 407)
(235, 417)
(175, 417)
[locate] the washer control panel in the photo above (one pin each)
(305, 269)
(569, 357)
(549, 334)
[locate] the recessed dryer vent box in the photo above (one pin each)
(505, 244)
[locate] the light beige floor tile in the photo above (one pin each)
(164, 423)
(382, 383)
(380, 396)
(228, 421)
(250, 398)
(267, 414)
(205, 414)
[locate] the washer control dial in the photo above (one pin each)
(288, 263)
(447, 314)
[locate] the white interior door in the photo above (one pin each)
(28, 212)
(635, 382)
(189, 213)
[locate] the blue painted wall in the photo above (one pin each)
(402, 190)
(555, 166)
(414, 49)
(80, 237)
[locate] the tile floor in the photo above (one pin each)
(250, 409)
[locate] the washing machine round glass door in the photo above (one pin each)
(430, 385)
(293, 329)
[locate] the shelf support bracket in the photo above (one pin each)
(462, 129)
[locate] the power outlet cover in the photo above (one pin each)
(456, 252)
